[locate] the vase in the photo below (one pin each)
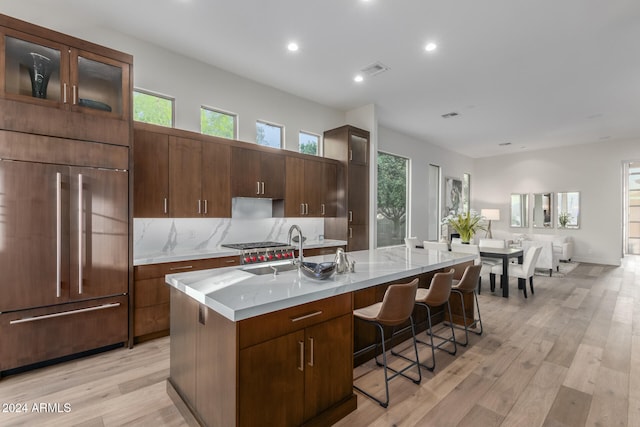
(40, 73)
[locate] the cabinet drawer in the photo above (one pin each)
(262, 328)
(36, 336)
(160, 270)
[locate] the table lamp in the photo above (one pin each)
(490, 215)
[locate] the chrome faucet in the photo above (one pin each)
(300, 239)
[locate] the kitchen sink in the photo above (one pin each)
(270, 269)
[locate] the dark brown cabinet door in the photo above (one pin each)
(330, 190)
(245, 172)
(358, 195)
(272, 373)
(98, 233)
(151, 177)
(185, 178)
(328, 364)
(216, 182)
(295, 187)
(313, 188)
(272, 175)
(34, 235)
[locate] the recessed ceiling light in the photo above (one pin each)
(293, 47)
(430, 47)
(358, 78)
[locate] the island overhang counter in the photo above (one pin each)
(247, 348)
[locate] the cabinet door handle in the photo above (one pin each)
(58, 234)
(306, 208)
(322, 209)
(258, 191)
(301, 356)
(64, 93)
(350, 155)
(306, 316)
(64, 313)
(199, 206)
(75, 94)
(206, 206)
(262, 187)
(166, 206)
(350, 233)
(350, 216)
(311, 351)
(80, 240)
(301, 208)
(186, 267)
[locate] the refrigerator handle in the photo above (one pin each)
(58, 234)
(80, 240)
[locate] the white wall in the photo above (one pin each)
(422, 154)
(595, 170)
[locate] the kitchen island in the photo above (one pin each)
(250, 349)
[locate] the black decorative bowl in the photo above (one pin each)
(320, 271)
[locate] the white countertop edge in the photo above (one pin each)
(219, 252)
(279, 304)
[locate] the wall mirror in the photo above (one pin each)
(543, 210)
(519, 210)
(568, 211)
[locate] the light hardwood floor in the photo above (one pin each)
(567, 356)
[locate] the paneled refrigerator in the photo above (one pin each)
(63, 248)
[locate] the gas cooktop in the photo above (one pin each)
(254, 245)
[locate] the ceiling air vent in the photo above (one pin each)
(450, 115)
(374, 69)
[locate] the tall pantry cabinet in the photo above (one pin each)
(350, 146)
(65, 246)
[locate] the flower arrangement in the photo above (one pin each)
(564, 218)
(465, 223)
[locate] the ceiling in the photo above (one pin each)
(533, 74)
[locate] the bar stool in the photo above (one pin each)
(437, 295)
(467, 285)
(396, 307)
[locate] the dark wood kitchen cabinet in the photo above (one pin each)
(179, 177)
(151, 293)
(54, 84)
(311, 188)
(257, 173)
(301, 355)
(350, 146)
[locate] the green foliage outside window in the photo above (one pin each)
(152, 109)
(392, 199)
(308, 143)
(217, 123)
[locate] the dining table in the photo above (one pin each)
(504, 254)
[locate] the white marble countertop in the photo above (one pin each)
(217, 252)
(237, 294)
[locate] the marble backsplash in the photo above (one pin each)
(171, 235)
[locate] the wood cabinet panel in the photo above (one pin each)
(151, 177)
(271, 373)
(152, 319)
(245, 169)
(272, 175)
(329, 348)
(314, 188)
(263, 328)
(216, 180)
(150, 292)
(294, 188)
(185, 176)
(330, 190)
(50, 338)
(184, 332)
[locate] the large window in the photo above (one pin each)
(309, 143)
(218, 123)
(391, 215)
(152, 108)
(269, 134)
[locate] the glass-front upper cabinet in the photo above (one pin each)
(98, 83)
(34, 69)
(358, 149)
(41, 71)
